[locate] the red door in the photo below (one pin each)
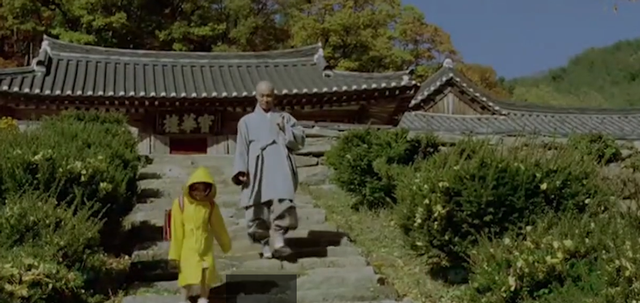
(188, 146)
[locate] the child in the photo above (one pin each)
(195, 222)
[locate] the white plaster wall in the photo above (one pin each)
(159, 145)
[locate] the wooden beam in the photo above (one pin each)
(477, 105)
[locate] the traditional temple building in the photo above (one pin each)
(450, 103)
(185, 102)
(181, 102)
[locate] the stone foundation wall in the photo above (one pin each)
(310, 160)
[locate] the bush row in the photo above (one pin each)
(360, 155)
(479, 207)
(62, 185)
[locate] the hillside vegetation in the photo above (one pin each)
(607, 77)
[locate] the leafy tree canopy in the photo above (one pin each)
(598, 77)
(362, 35)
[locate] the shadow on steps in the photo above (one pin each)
(314, 245)
(146, 194)
(142, 236)
(315, 239)
(274, 286)
(149, 176)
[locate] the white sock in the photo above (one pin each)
(203, 300)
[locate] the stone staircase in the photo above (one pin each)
(325, 267)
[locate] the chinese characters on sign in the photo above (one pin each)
(187, 123)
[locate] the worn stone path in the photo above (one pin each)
(326, 266)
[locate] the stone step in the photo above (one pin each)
(154, 189)
(305, 229)
(219, 160)
(232, 200)
(305, 297)
(335, 278)
(308, 215)
(228, 194)
(159, 269)
(153, 214)
(240, 243)
(341, 294)
(328, 262)
(181, 171)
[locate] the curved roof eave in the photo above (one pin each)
(66, 49)
(506, 107)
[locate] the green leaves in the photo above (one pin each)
(475, 189)
(606, 77)
(61, 186)
(363, 162)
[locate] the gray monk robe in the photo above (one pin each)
(265, 153)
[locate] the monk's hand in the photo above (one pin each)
(243, 177)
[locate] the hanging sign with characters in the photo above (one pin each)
(187, 123)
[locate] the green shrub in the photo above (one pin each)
(474, 188)
(572, 258)
(28, 274)
(96, 162)
(68, 232)
(8, 124)
(602, 148)
(51, 250)
(356, 153)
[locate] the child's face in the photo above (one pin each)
(199, 191)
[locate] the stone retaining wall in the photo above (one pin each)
(320, 139)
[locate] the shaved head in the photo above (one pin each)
(265, 94)
(264, 87)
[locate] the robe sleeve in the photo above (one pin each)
(294, 134)
(177, 232)
(241, 158)
(220, 232)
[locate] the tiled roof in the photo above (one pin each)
(448, 75)
(67, 69)
(562, 125)
(514, 118)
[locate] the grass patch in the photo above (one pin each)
(382, 242)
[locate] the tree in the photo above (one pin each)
(485, 77)
(368, 35)
(362, 35)
(598, 77)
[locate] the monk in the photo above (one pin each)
(265, 169)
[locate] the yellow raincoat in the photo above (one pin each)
(193, 231)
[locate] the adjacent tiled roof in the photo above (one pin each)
(77, 70)
(562, 125)
(448, 75)
(514, 118)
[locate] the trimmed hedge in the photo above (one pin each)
(358, 153)
(571, 258)
(600, 147)
(530, 222)
(475, 189)
(61, 185)
(71, 158)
